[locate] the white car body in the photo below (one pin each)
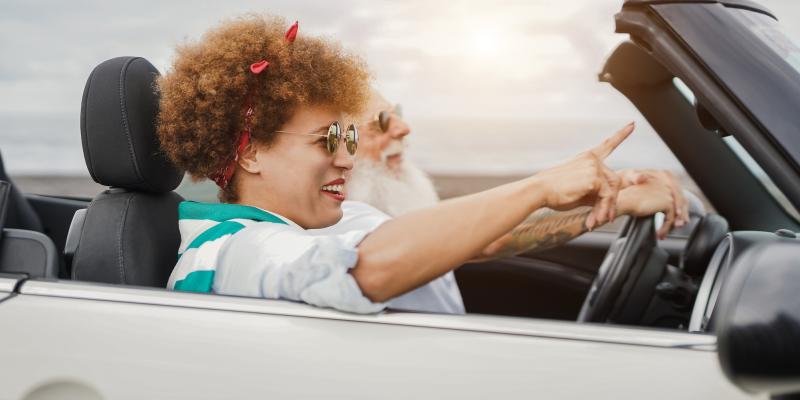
(135, 343)
(71, 339)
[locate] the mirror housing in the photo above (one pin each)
(758, 327)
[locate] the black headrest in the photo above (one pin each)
(118, 127)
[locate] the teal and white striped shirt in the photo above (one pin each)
(245, 251)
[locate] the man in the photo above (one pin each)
(383, 178)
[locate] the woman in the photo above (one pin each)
(264, 113)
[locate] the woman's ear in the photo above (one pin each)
(248, 159)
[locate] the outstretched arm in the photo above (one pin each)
(415, 248)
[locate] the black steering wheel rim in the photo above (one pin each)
(607, 287)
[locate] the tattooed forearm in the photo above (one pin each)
(542, 230)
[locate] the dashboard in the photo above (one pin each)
(723, 260)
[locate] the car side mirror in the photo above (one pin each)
(758, 330)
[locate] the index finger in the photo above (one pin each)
(603, 150)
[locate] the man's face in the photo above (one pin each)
(381, 177)
(381, 146)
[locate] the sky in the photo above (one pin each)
(443, 60)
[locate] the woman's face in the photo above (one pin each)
(295, 176)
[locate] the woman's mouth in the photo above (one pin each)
(334, 189)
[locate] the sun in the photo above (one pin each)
(485, 41)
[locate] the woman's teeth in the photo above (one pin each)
(333, 188)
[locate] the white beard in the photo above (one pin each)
(393, 192)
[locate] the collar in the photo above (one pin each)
(224, 211)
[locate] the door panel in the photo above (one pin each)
(548, 284)
(519, 286)
(584, 253)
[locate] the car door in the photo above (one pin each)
(119, 342)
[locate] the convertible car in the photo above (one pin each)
(712, 314)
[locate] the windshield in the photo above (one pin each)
(746, 159)
(771, 34)
(782, 40)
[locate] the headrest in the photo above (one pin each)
(118, 127)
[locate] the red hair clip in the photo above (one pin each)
(291, 33)
(258, 67)
(223, 176)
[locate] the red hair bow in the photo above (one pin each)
(258, 67)
(223, 176)
(291, 33)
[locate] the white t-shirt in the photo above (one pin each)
(438, 296)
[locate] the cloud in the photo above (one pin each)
(431, 49)
(454, 59)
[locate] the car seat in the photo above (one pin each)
(21, 214)
(129, 233)
(23, 252)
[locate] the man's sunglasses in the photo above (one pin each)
(334, 136)
(383, 117)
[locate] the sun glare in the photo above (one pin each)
(485, 42)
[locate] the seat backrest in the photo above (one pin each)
(20, 213)
(24, 251)
(130, 231)
(28, 252)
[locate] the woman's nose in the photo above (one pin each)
(342, 158)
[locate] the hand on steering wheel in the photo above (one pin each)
(648, 191)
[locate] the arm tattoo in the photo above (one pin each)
(542, 230)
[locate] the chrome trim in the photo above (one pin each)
(699, 319)
(473, 322)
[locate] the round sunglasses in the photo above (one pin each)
(334, 136)
(383, 117)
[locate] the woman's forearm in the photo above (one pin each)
(415, 248)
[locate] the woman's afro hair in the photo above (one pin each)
(205, 95)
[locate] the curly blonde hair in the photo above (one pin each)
(204, 95)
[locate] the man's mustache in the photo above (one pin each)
(395, 147)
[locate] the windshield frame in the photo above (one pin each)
(764, 87)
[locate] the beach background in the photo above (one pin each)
(462, 156)
(492, 90)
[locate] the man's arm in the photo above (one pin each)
(544, 229)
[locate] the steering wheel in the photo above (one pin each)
(630, 249)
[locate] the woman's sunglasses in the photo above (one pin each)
(334, 136)
(383, 117)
